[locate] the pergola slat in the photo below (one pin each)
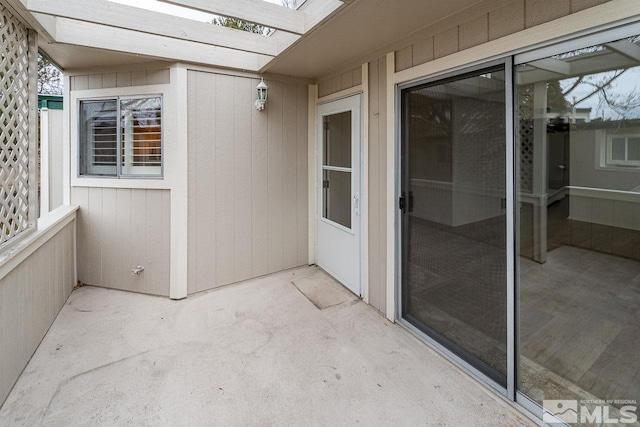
(133, 18)
(626, 48)
(257, 11)
(88, 34)
(554, 65)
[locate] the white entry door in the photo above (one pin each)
(339, 245)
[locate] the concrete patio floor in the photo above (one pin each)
(255, 353)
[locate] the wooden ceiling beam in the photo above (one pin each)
(79, 33)
(137, 19)
(626, 48)
(256, 11)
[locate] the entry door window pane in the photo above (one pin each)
(337, 140)
(454, 237)
(336, 197)
(579, 282)
(337, 168)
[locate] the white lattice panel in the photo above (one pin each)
(526, 155)
(14, 127)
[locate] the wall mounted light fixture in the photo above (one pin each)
(262, 89)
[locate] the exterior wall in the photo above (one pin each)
(474, 26)
(119, 229)
(123, 223)
(119, 79)
(377, 183)
(31, 295)
(247, 179)
(346, 80)
(483, 23)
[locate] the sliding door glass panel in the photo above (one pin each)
(578, 200)
(454, 224)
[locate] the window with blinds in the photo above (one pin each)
(121, 137)
(99, 137)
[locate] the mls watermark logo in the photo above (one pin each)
(560, 411)
(590, 411)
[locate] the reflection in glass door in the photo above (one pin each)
(579, 226)
(454, 205)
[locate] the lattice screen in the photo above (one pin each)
(14, 127)
(526, 155)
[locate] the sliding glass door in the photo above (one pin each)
(578, 141)
(520, 225)
(454, 216)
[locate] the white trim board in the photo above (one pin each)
(364, 185)
(177, 157)
(312, 153)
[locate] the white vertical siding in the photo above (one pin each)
(247, 179)
(30, 298)
(119, 229)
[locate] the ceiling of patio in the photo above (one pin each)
(362, 27)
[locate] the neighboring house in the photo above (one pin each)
(406, 147)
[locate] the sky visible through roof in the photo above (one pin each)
(170, 9)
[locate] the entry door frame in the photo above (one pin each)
(354, 103)
(510, 162)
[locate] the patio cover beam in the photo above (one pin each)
(137, 19)
(554, 65)
(626, 48)
(80, 33)
(257, 11)
(45, 29)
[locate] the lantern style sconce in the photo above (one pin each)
(262, 89)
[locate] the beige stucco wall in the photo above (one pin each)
(247, 179)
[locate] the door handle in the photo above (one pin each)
(356, 203)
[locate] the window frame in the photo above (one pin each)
(81, 149)
(609, 152)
